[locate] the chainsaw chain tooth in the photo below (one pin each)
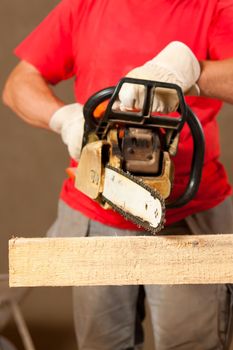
(136, 220)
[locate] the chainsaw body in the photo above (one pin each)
(126, 159)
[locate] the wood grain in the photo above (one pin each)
(121, 260)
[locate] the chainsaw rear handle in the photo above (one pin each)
(144, 118)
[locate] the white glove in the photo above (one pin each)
(175, 64)
(69, 122)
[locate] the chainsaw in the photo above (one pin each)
(126, 159)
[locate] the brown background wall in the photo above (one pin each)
(32, 166)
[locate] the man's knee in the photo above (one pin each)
(105, 317)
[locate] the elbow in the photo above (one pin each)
(7, 93)
(13, 86)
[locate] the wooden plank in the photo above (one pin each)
(121, 260)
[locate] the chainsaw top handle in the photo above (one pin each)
(133, 117)
(107, 115)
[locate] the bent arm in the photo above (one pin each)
(28, 94)
(216, 79)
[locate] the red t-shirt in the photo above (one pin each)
(99, 41)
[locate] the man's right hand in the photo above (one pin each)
(68, 121)
(176, 64)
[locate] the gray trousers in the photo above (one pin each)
(184, 317)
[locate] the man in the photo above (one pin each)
(98, 42)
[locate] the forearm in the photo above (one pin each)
(216, 79)
(30, 97)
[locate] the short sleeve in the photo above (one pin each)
(220, 36)
(49, 46)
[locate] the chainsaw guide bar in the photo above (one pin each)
(151, 204)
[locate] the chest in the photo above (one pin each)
(112, 37)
